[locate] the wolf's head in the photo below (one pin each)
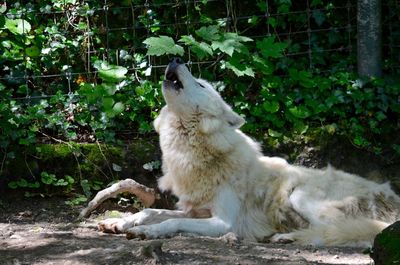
(188, 97)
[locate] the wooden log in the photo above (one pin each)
(146, 195)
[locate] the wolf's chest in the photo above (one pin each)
(193, 171)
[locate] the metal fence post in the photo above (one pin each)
(369, 38)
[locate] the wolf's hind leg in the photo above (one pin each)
(357, 232)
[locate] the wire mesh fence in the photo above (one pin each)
(79, 31)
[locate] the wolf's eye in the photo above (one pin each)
(200, 85)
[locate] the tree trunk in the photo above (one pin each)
(369, 40)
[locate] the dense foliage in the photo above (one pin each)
(90, 70)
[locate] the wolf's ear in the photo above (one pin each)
(233, 119)
(210, 124)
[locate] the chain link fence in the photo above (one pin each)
(78, 31)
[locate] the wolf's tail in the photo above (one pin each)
(358, 232)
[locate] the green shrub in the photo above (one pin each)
(100, 95)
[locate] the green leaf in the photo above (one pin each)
(22, 183)
(380, 116)
(118, 108)
(116, 167)
(152, 165)
(76, 201)
(253, 20)
(360, 141)
(306, 79)
(201, 49)
(106, 89)
(330, 101)
(61, 182)
(162, 45)
(112, 109)
(69, 179)
(300, 127)
(316, 2)
(272, 21)
(231, 42)
(17, 26)
(3, 8)
(86, 187)
(274, 134)
(275, 119)
(300, 112)
(12, 185)
(284, 6)
(269, 48)
(48, 178)
(108, 103)
(262, 65)
(110, 73)
(271, 106)
(23, 141)
(2, 22)
(303, 77)
(34, 185)
(97, 185)
(318, 16)
(209, 33)
(239, 67)
(331, 128)
(396, 147)
(33, 51)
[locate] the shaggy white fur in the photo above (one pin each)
(219, 173)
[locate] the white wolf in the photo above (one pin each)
(225, 184)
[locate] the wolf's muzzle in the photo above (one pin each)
(171, 72)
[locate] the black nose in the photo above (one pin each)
(177, 60)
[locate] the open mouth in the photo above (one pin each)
(172, 76)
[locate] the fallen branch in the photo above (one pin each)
(146, 195)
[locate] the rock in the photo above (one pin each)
(386, 248)
(15, 237)
(152, 250)
(230, 239)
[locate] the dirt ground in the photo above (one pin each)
(45, 231)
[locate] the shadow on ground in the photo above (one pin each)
(45, 231)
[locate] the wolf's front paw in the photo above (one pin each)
(120, 225)
(144, 232)
(282, 238)
(112, 225)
